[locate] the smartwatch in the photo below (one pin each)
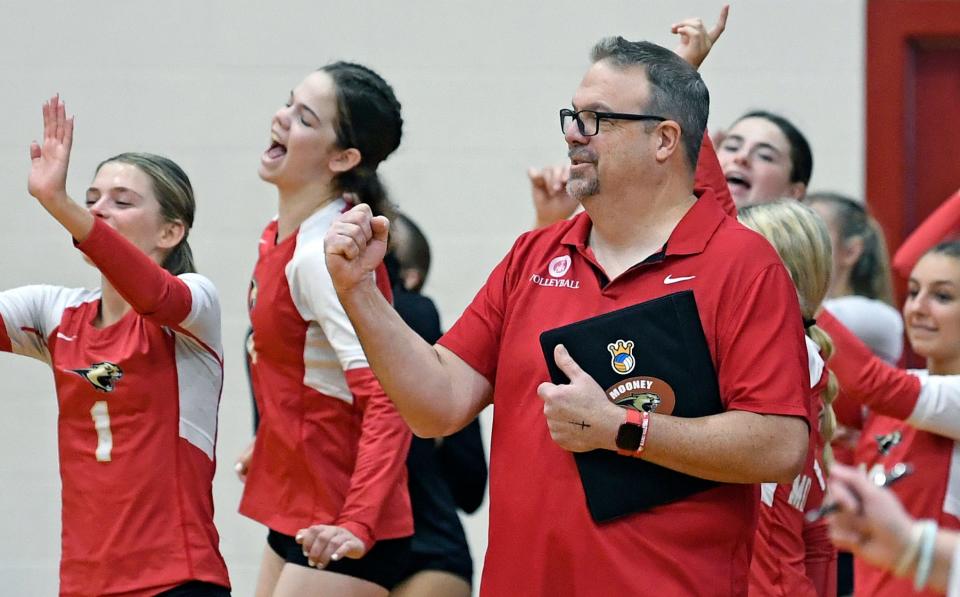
(632, 432)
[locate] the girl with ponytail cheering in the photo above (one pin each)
(326, 471)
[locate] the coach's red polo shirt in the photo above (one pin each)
(542, 539)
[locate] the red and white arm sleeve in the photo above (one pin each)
(21, 327)
(938, 408)
(151, 290)
(709, 175)
(381, 469)
(30, 314)
(930, 403)
(866, 378)
(188, 303)
(939, 226)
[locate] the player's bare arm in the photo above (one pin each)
(434, 390)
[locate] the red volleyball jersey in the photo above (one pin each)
(932, 491)
(330, 448)
(138, 420)
(785, 542)
(894, 397)
(939, 226)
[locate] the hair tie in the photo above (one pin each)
(809, 323)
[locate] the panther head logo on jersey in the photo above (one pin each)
(885, 443)
(621, 356)
(102, 376)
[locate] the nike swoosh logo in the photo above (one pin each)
(67, 338)
(671, 280)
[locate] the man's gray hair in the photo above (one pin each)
(676, 90)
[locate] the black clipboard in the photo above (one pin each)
(668, 355)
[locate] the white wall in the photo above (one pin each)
(481, 83)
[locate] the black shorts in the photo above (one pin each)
(196, 588)
(456, 563)
(384, 565)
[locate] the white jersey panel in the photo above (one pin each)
(938, 407)
(321, 367)
(31, 313)
(204, 318)
(199, 365)
(200, 381)
(331, 346)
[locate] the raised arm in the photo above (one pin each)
(141, 281)
(709, 176)
(434, 390)
(939, 226)
(695, 44)
(149, 289)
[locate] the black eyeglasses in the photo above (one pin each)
(588, 121)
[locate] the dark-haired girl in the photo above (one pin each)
(326, 472)
(765, 157)
(138, 370)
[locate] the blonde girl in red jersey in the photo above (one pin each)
(138, 370)
(326, 472)
(780, 564)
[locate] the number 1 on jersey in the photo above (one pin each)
(101, 422)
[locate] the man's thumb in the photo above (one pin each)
(566, 363)
(380, 226)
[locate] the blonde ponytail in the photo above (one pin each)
(803, 243)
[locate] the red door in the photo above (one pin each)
(913, 110)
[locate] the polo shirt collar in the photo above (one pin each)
(690, 237)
